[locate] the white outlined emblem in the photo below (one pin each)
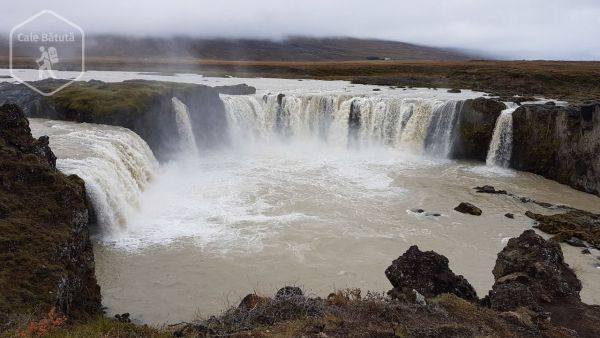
(51, 44)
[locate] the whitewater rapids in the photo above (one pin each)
(115, 163)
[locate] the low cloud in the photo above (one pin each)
(516, 29)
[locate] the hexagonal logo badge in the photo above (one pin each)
(47, 52)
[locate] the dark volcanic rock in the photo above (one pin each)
(45, 252)
(239, 89)
(530, 264)
(488, 189)
(289, 292)
(468, 208)
(560, 143)
(427, 273)
(476, 124)
(573, 227)
(531, 272)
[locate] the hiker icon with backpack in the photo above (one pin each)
(46, 61)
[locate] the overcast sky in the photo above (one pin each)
(517, 29)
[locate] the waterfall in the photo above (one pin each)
(115, 163)
(184, 126)
(501, 145)
(440, 136)
(416, 125)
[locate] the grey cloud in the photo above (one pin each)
(532, 29)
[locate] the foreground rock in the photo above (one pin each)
(560, 143)
(468, 208)
(531, 273)
(46, 257)
(427, 273)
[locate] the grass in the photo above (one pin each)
(94, 328)
(107, 100)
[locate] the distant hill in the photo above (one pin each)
(291, 49)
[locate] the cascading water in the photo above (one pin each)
(440, 136)
(115, 163)
(343, 120)
(501, 145)
(184, 126)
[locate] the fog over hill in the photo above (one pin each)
(290, 49)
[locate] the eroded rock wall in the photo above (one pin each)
(46, 257)
(560, 143)
(475, 128)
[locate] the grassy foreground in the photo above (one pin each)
(343, 314)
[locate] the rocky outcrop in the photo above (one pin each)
(576, 227)
(468, 208)
(475, 128)
(534, 268)
(239, 89)
(45, 251)
(142, 106)
(560, 143)
(531, 273)
(427, 273)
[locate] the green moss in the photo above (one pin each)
(37, 231)
(575, 223)
(92, 101)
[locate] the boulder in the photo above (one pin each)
(488, 189)
(287, 292)
(468, 208)
(531, 271)
(428, 274)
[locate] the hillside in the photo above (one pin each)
(292, 49)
